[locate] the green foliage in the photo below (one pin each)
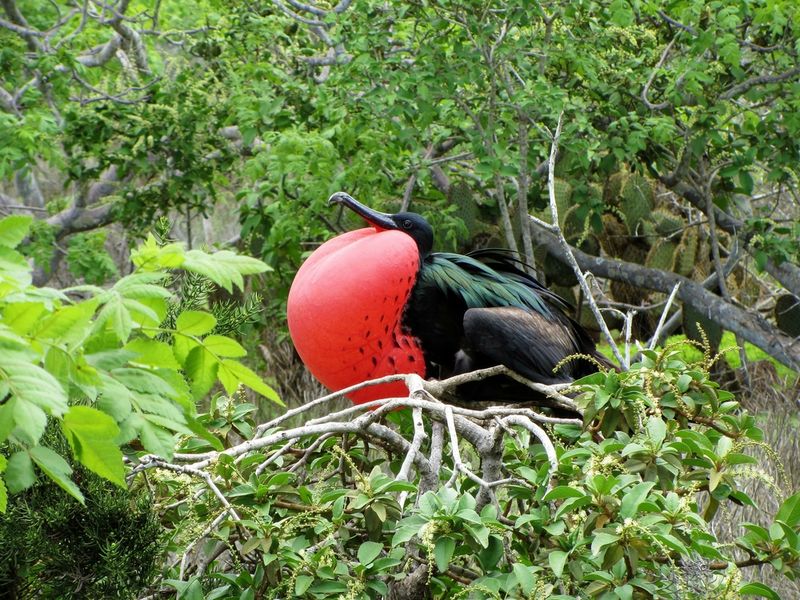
(628, 512)
(88, 258)
(778, 243)
(55, 548)
(40, 244)
(87, 358)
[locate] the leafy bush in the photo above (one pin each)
(52, 547)
(619, 505)
(88, 258)
(88, 358)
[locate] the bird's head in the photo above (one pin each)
(409, 223)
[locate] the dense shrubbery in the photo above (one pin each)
(53, 547)
(629, 511)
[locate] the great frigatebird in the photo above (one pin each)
(379, 301)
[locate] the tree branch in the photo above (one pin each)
(750, 327)
(566, 252)
(653, 73)
(746, 85)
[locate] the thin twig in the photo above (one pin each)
(663, 318)
(653, 73)
(458, 464)
(568, 251)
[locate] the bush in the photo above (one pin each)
(622, 504)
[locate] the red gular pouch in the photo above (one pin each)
(344, 312)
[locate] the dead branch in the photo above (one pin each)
(567, 253)
(752, 327)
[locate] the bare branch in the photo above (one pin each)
(566, 250)
(523, 180)
(662, 320)
(752, 327)
(314, 10)
(288, 11)
(675, 23)
(18, 24)
(84, 19)
(748, 84)
(21, 30)
(100, 55)
(653, 73)
(458, 464)
(412, 181)
(8, 104)
(540, 434)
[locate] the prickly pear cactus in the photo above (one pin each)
(612, 189)
(744, 286)
(686, 252)
(662, 255)
(636, 202)
(614, 237)
(664, 222)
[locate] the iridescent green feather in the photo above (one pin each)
(480, 286)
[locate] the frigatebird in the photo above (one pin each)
(378, 301)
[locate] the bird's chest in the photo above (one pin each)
(345, 307)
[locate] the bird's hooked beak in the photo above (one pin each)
(375, 218)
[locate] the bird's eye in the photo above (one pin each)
(407, 224)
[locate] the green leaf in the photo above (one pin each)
(14, 267)
(443, 552)
(525, 578)
(557, 559)
(33, 384)
(202, 368)
(224, 268)
(68, 324)
(480, 533)
(601, 540)
(150, 255)
(19, 472)
(145, 381)
(758, 589)
(91, 435)
(368, 552)
(301, 584)
(656, 429)
(195, 322)
(57, 469)
(114, 398)
(152, 353)
(714, 479)
(563, 491)
(3, 496)
(115, 317)
(633, 498)
(193, 591)
(220, 345)
(232, 373)
(22, 316)
(789, 512)
(29, 419)
(142, 285)
(155, 439)
(328, 589)
(13, 230)
(404, 534)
